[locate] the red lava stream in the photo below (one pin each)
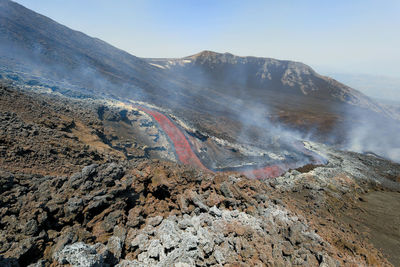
(181, 144)
(187, 156)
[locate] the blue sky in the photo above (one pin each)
(358, 36)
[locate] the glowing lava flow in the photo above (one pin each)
(187, 156)
(265, 172)
(181, 144)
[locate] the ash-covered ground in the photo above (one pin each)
(95, 182)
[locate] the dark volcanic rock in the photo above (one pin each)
(130, 222)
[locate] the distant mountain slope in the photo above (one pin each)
(216, 93)
(72, 53)
(33, 39)
(255, 91)
(231, 73)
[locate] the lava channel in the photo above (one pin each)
(265, 172)
(181, 144)
(187, 156)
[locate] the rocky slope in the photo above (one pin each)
(155, 213)
(104, 208)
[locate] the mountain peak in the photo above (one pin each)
(207, 54)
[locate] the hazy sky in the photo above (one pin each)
(357, 36)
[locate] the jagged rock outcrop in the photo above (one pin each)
(157, 213)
